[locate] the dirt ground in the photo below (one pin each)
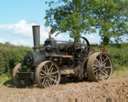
(112, 90)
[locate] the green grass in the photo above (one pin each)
(121, 72)
(4, 78)
(119, 55)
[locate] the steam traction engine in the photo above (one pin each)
(46, 64)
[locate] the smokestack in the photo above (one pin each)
(36, 36)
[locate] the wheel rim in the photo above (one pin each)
(16, 69)
(49, 74)
(102, 67)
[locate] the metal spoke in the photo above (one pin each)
(96, 70)
(51, 67)
(47, 82)
(104, 73)
(96, 66)
(108, 67)
(100, 58)
(42, 71)
(50, 83)
(98, 61)
(53, 80)
(42, 74)
(104, 62)
(54, 77)
(42, 77)
(53, 73)
(43, 83)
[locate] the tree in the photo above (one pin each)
(109, 15)
(67, 17)
(79, 16)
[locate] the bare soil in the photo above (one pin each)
(112, 90)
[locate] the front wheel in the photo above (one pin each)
(16, 81)
(47, 74)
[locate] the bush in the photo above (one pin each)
(119, 55)
(10, 55)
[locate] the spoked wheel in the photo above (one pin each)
(16, 69)
(47, 74)
(16, 81)
(19, 82)
(99, 67)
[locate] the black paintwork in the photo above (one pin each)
(56, 51)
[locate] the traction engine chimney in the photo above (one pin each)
(36, 36)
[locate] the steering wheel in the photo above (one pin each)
(85, 46)
(82, 47)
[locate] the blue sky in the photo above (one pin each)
(14, 10)
(17, 17)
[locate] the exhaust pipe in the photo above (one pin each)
(36, 36)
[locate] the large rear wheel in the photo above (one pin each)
(47, 74)
(99, 67)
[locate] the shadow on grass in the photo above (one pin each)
(64, 80)
(8, 83)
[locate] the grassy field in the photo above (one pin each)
(121, 72)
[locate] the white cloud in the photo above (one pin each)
(22, 28)
(20, 33)
(93, 38)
